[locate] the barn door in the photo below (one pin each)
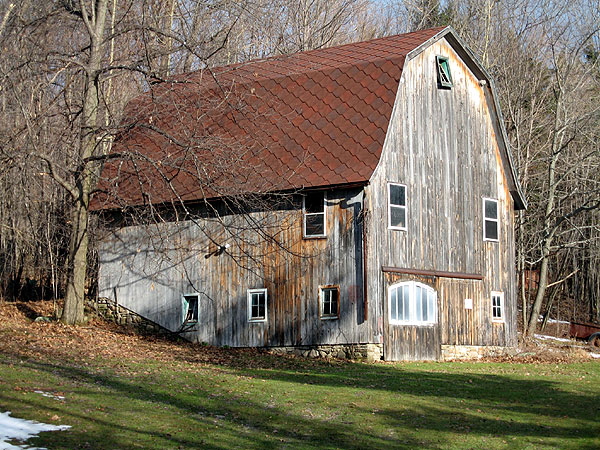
(411, 326)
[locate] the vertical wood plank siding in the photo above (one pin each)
(442, 144)
(148, 269)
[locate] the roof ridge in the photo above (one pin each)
(358, 47)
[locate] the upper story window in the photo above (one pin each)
(329, 298)
(257, 305)
(313, 207)
(190, 308)
(412, 303)
(490, 219)
(443, 70)
(396, 206)
(497, 306)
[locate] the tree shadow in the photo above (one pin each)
(27, 311)
(226, 419)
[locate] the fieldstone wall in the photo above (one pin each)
(466, 352)
(367, 352)
(111, 311)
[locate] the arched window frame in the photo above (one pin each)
(413, 316)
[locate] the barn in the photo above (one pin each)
(353, 200)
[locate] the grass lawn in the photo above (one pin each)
(125, 392)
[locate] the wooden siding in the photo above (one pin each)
(148, 269)
(442, 144)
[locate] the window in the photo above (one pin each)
(396, 206)
(443, 70)
(412, 303)
(190, 308)
(314, 214)
(497, 307)
(257, 305)
(330, 302)
(490, 219)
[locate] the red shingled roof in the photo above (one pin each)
(307, 120)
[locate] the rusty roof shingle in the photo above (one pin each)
(308, 120)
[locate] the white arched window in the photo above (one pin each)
(412, 303)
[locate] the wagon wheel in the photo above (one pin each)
(594, 340)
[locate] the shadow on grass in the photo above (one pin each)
(216, 417)
(535, 396)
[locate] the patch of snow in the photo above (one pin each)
(551, 338)
(50, 395)
(558, 321)
(541, 319)
(21, 429)
(595, 355)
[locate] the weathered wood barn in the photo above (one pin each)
(358, 197)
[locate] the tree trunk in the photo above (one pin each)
(549, 229)
(87, 175)
(73, 312)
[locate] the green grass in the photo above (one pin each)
(264, 401)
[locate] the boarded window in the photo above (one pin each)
(190, 308)
(497, 306)
(396, 206)
(257, 305)
(443, 70)
(314, 214)
(490, 219)
(412, 303)
(330, 302)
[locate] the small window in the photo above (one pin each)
(190, 308)
(396, 206)
(497, 306)
(330, 302)
(490, 219)
(443, 70)
(314, 214)
(257, 305)
(412, 303)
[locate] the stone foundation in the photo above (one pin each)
(466, 352)
(367, 352)
(108, 309)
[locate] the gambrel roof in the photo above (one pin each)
(314, 119)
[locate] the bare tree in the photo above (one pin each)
(63, 88)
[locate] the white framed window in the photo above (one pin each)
(189, 308)
(329, 299)
(490, 220)
(412, 303)
(396, 206)
(443, 70)
(313, 208)
(498, 306)
(257, 305)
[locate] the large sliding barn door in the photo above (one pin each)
(411, 324)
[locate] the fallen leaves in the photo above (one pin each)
(22, 337)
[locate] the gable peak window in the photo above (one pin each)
(257, 305)
(313, 208)
(443, 71)
(329, 298)
(190, 308)
(396, 206)
(412, 303)
(490, 220)
(497, 307)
